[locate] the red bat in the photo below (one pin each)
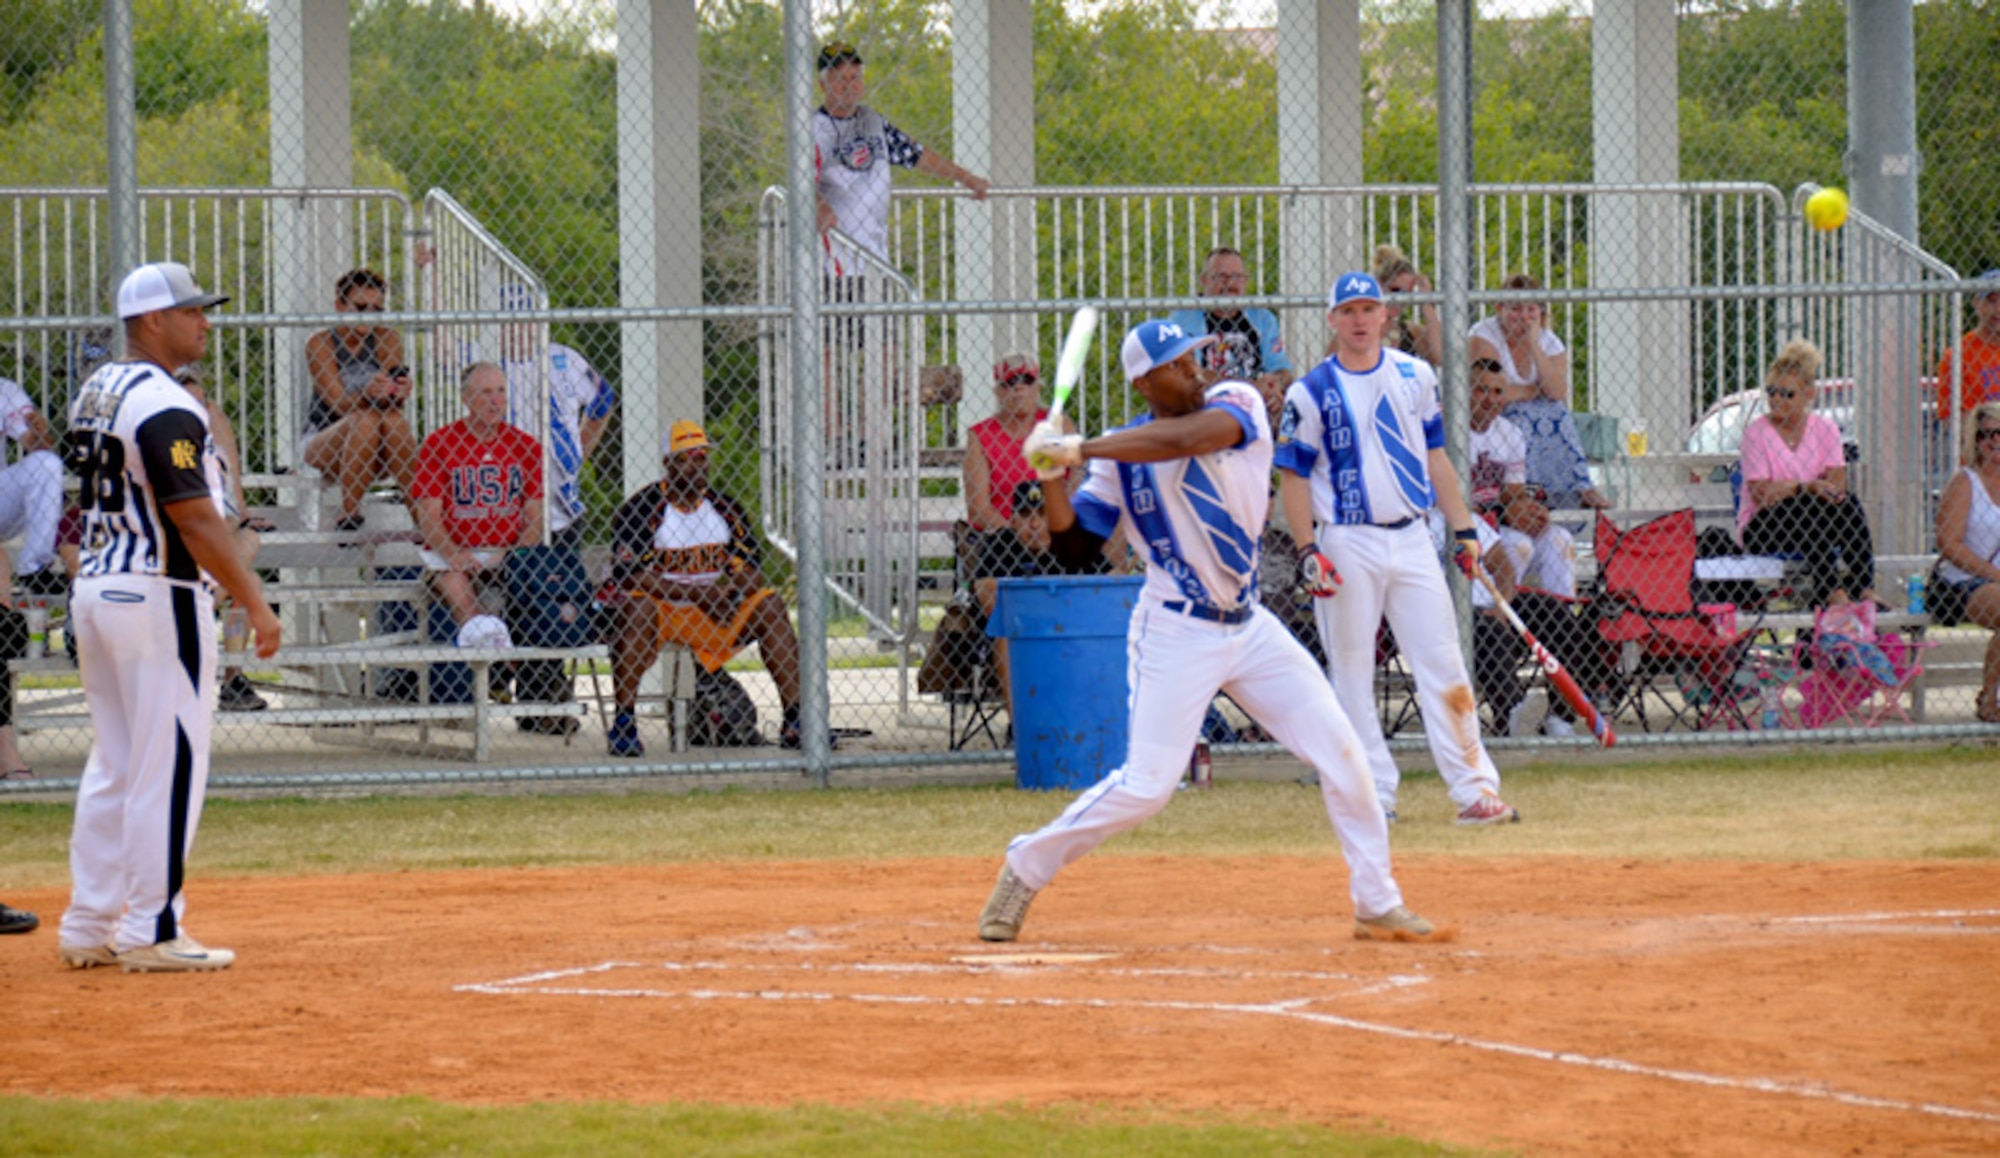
(1559, 679)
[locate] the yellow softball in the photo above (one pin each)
(1827, 209)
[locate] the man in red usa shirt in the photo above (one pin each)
(478, 494)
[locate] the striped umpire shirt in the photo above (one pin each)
(138, 441)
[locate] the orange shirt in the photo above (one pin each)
(1982, 374)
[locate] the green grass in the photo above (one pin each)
(1939, 803)
(278, 1128)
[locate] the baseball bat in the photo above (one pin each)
(1069, 367)
(1559, 679)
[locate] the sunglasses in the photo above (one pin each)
(1781, 391)
(1020, 380)
(1986, 432)
(366, 307)
(1486, 366)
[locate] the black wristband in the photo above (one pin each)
(1468, 535)
(1300, 552)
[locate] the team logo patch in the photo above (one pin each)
(184, 454)
(1289, 424)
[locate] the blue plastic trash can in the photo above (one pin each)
(1066, 667)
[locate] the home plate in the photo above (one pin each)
(1031, 958)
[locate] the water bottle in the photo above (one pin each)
(1914, 586)
(37, 615)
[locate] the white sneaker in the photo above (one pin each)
(1559, 727)
(1006, 908)
(183, 954)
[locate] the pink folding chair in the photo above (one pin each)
(1854, 676)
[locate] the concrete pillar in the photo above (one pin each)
(659, 223)
(1638, 362)
(1319, 143)
(312, 147)
(993, 135)
(1882, 165)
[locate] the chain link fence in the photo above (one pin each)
(590, 199)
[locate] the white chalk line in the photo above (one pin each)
(1860, 918)
(1293, 1009)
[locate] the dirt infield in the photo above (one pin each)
(1587, 1007)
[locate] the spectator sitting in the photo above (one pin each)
(1968, 540)
(31, 492)
(1795, 498)
(580, 405)
(686, 569)
(1981, 345)
(994, 466)
(1498, 484)
(1536, 365)
(1422, 337)
(235, 694)
(478, 494)
(1247, 346)
(356, 429)
(1021, 552)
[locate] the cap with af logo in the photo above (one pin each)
(1153, 344)
(1353, 287)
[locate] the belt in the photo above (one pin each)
(1398, 525)
(1211, 614)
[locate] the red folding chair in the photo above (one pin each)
(1669, 652)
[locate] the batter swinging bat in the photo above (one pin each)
(1559, 679)
(1069, 368)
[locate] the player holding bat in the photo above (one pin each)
(1361, 461)
(1192, 482)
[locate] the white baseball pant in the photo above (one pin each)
(1396, 573)
(31, 505)
(146, 647)
(1174, 666)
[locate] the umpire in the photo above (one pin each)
(154, 544)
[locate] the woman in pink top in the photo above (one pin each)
(994, 464)
(1795, 498)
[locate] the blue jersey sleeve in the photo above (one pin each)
(1294, 454)
(1434, 433)
(1095, 515)
(603, 401)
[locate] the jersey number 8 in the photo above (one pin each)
(99, 463)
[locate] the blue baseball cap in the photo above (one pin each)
(1155, 343)
(1992, 275)
(1353, 287)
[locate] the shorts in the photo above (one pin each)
(713, 642)
(1946, 600)
(486, 557)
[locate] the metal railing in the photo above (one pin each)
(875, 539)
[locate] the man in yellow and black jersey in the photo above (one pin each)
(686, 568)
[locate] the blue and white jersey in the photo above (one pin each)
(1196, 521)
(139, 442)
(577, 394)
(1363, 440)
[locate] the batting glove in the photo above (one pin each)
(1317, 573)
(1051, 452)
(1465, 553)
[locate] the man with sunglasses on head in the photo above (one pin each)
(356, 428)
(853, 147)
(994, 467)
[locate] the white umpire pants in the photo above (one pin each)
(146, 647)
(31, 505)
(1396, 573)
(1174, 665)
